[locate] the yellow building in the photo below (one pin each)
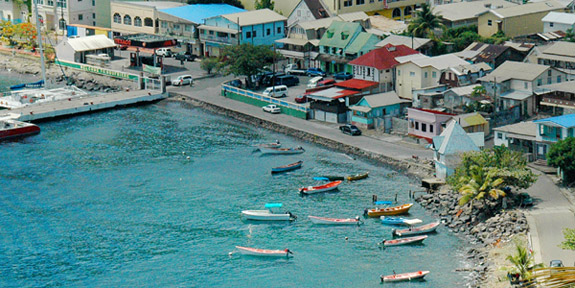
(517, 20)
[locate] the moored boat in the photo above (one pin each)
(388, 211)
(403, 241)
(390, 220)
(12, 129)
(263, 252)
(357, 176)
(334, 221)
(404, 276)
(423, 229)
(289, 167)
(268, 215)
(331, 178)
(272, 150)
(276, 144)
(321, 188)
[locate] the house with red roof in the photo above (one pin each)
(379, 65)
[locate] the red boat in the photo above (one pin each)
(404, 277)
(12, 129)
(321, 188)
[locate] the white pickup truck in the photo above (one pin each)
(293, 70)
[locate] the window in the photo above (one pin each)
(525, 85)
(60, 4)
(559, 79)
(549, 72)
(117, 18)
(489, 22)
(425, 74)
(299, 13)
(248, 34)
(541, 129)
(127, 20)
(138, 21)
(411, 74)
(269, 31)
(279, 30)
(93, 2)
(549, 80)
(93, 15)
(188, 28)
(423, 127)
(407, 10)
(148, 22)
(368, 71)
(396, 13)
(550, 24)
(431, 128)
(50, 2)
(398, 72)
(177, 27)
(165, 25)
(434, 74)
(416, 125)
(254, 34)
(80, 17)
(359, 2)
(499, 135)
(347, 3)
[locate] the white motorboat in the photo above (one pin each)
(263, 252)
(268, 215)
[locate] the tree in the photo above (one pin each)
(482, 186)
(236, 3)
(562, 155)
(424, 22)
(248, 60)
(478, 91)
(263, 4)
(522, 261)
(209, 64)
(569, 35)
(7, 30)
(569, 243)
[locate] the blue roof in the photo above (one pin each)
(565, 121)
(198, 12)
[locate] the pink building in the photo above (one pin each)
(426, 124)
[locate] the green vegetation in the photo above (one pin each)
(210, 64)
(562, 155)
(569, 35)
(263, 4)
(236, 3)
(481, 185)
(569, 243)
(247, 60)
(425, 22)
(522, 261)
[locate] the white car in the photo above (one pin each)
(274, 109)
(183, 80)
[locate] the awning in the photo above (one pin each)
(90, 43)
(293, 41)
(218, 29)
(363, 109)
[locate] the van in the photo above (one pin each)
(312, 83)
(166, 52)
(288, 80)
(276, 91)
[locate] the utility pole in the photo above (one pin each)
(39, 41)
(495, 102)
(62, 22)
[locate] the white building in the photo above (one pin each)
(56, 14)
(557, 21)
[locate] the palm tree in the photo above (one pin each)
(424, 22)
(522, 261)
(480, 185)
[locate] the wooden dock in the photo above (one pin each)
(86, 104)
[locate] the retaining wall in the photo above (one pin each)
(259, 100)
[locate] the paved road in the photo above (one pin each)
(551, 213)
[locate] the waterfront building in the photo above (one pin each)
(55, 15)
(551, 130)
(520, 137)
(10, 11)
(425, 123)
(372, 111)
(95, 50)
(558, 21)
(450, 145)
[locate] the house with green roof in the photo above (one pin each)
(343, 42)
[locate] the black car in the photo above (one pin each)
(350, 129)
(288, 80)
(343, 76)
(187, 56)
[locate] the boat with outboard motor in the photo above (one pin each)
(335, 221)
(263, 252)
(269, 214)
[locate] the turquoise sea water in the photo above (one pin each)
(111, 200)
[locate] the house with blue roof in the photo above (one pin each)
(450, 145)
(551, 130)
(258, 27)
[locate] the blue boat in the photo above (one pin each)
(398, 220)
(289, 167)
(38, 84)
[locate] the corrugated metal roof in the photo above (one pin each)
(354, 16)
(528, 129)
(333, 36)
(404, 40)
(89, 43)
(255, 17)
(439, 62)
(558, 17)
(528, 8)
(455, 140)
(360, 41)
(470, 119)
(156, 4)
(561, 48)
(468, 10)
(565, 121)
(515, 70)
(384, 57)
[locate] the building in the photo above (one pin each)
(520, 137)
(422, 45)
(492, 54)
(416, 72)
(449, 147)
(57, 14)
(96, 50)
(516, 20)
(558, 21)
(133, 17)
(343, 42)
(386, 25)
(378, 65)
(259, 27)
(560, 55)
(472, 122)
(464, 13)
(456, 99)
(308, 10)
(11, 11)
(516, 83)
(464, 75)
(557, 99)
(370, 112)
(425, 123)
(85, 30)
(551, 130)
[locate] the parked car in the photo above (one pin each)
(276, 91)
(325, 82)
(315, 72)
(186, 56)
(526, 199)
(183, 80)
(270, 78)
(288, 80)
(350, 129)
(274, 109)
(556, 263)
(301, 99)
(293, 69)
(166, 52)
(312, 83)
(343, 76)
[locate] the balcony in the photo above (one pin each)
(557, 102)
(218, 39)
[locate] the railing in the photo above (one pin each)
(557, 101)
(225, 40)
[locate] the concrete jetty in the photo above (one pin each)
(79, 105)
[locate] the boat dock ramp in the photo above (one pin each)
(85, 104)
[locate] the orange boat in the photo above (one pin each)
(388, 211)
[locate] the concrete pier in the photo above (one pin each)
(79, 105)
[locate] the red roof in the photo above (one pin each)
(356, 84)
(384, 57)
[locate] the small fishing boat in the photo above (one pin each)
(330, 178)
(388, 211)
(263, 252)
(276, 144)
(389, 220)
(289, 167)
(404, 276)
(423, 229)
(268, 215)
(272, 150)
(403, 241)
(334, 221)
(321, 188)
(357, 176)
